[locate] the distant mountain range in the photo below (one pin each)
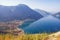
(47, 24)
(42, 12)
(57, 15)
(19, 12)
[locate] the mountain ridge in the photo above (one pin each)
(19, 12)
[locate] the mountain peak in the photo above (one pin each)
(23, 5)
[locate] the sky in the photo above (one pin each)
(47, 5)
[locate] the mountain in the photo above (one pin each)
(57, 15)
(47, 24)
(42, 12)
(19, 12)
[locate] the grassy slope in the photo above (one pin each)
(43, 36)
(23, 37)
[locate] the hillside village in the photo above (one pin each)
(10, 27)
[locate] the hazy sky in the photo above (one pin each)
(48, 5)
